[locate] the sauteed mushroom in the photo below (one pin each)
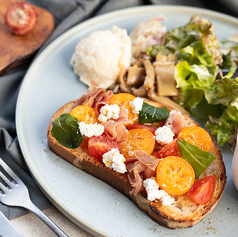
(153, 80)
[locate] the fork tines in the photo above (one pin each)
(8, 177)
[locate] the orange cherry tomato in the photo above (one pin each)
(123, 101)
(202, 190)
(138, 139)
(175, 175)
(84, 113)
(197, 136)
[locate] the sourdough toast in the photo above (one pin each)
(183, 213)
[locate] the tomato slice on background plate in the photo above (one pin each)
(97, 146)
(202, 190)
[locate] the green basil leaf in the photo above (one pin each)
(66, 131)
(152, 114)
(196, 157)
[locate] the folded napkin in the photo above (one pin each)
(67, 13)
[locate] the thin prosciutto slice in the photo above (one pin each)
(115, 129)
(134, 176)
(96, 97)
(148, 160)
(137, 168)
(176, 121)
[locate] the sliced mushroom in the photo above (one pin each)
(139, 92)
(150, 74)
(123, 86)
(171, 57)
(136, 76)
(161, 58)
(164, 71)
(166, 101)
(166, 84)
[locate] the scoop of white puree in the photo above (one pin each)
(100, 56)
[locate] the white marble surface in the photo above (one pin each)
(30, 225)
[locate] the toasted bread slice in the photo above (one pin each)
(183, 213)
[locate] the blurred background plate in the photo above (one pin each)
(15, 50)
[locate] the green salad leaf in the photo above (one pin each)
(202, 61)
(66, 131)
(196, 157)
(194, 42)
(152, 114)
(193, 81)
(229, 47)
(196, 83)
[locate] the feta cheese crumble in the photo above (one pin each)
(109, 111)
(114, 160)
(92, 129)
(136, 105)
(164, 135)
(153, 192)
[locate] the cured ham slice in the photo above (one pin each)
(134, 176)
(96, 97)
(148, 160)
(176, 121)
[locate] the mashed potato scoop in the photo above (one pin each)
(100, 56)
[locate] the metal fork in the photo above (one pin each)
(15, 193)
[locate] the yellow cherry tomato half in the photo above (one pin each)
(197, 136)
(123, 101)
(138, 139)
(175, 175)
(84, 113)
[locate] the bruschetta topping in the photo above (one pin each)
(125, 137)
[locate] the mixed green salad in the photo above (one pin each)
(206, 75)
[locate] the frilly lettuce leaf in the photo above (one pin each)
(202, 62)
(223, 127)
(196, 84)
(193, 81)
(194, 42)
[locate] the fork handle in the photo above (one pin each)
(34, 209)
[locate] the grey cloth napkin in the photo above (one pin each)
(67, 13)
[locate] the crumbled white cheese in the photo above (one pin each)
(92, 129)
(164, 135)
(114, 160)
(109, 111)
(153, 192)
(136, 105)
(102, 118)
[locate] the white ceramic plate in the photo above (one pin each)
(90, 203)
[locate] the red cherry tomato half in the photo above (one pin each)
(151, 128)
(202, 190)
(97, 146)
(170, 149)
